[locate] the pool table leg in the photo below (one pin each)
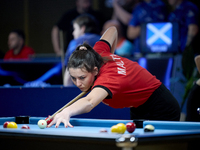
(127, 142)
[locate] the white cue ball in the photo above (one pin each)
(42, 124)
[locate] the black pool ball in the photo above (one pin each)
(139, 122)
(149, 128)
(22, 119)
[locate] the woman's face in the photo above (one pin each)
(82, 78)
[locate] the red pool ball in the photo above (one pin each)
(49, 121)
(5, 124)
(25, 127)
(103, 130)
(130, 127)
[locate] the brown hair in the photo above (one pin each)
(86, 58)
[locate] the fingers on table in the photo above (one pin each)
(65, 122)
(59, 121)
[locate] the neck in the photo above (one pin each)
(16, 51)
(80, 11)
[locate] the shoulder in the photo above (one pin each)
(72, 46)
(9, 51)
(102, 45)
(189, 8)
(90, 38)
(8, 54)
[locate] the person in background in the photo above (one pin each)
(124, 47)
(65, 23)
(193, 101)
(18, 49)
(187, 15)
(146, 11)
(122, 12)
(85, 30)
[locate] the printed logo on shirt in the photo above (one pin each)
(121, 69)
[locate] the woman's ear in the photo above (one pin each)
(96, 71)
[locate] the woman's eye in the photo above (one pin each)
(81, 78)
(73, 78)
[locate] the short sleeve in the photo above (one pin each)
(102, 46)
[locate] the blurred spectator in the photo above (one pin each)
(193, 98)
(146, 11)
(85, 30)
(16, 44)
(124, 46)
(122, 11)
(65, 23)
(187, 15)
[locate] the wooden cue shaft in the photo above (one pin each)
(68, 104)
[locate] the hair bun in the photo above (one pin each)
(82, 48)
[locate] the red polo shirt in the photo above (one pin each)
(128, 84)
(23, 54)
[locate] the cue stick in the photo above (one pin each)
(68, 104)
(62, 53)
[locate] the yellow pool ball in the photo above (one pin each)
(121, 128)
(12, 125)
(114, 129)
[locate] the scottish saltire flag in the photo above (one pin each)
(159, 34)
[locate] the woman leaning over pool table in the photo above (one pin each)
(117, 82)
